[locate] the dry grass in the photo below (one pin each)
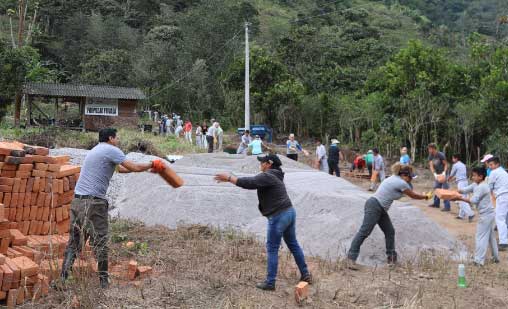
(203, 267)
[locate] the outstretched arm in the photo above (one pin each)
(128, 166)
(412, 194)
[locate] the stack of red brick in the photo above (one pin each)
(36, 189)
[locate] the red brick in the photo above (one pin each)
(28, 200)
(144, 271)
(38, 173)
(22, 187)
(25, 167)
(6, 181)
(42, 185)
(33, 200)
(12, 297)
(18, 239)
(5, 188)
(301, 292)
(9, 174)
(16, 277)
(30, 184)
(37, 182)
(26, 266)
(14, 199)
(132, 269)
(41, 166)
(7, 199)
(9, 167)
(23, 174)
(17, 184)
(7, 278)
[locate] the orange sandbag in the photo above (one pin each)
(374, 177)
(167, 174)
(447, 194)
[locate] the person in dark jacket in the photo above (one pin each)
(274, 203)
(334, 155)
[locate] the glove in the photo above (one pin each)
(428, 195)
(158, 166)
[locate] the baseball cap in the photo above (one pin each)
(407, 171)
(273, 159)
(335, 141)
(487, 157)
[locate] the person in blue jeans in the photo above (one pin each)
(275, 205)
(439, 167)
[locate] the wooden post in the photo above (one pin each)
(30, 101)
(56, 111)
(82, 107)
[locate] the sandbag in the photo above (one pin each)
(444, 194)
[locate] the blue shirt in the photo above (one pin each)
(256, 147)
(459, 170)
(97, 170)
(404, 159)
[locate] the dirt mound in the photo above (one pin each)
(329, 209)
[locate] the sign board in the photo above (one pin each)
(101, 107)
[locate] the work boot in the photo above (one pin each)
(351, 264)
(503, 247)
(265, 286)
(470, 218)
(103, 274)
(391, 260)
(459, 218)
(306, 278)
(445, 210)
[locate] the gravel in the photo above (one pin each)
(330, 209)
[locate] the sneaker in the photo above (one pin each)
(391, 260)
(445, 210)
(307, 278)
(470, 218)
(265, 286)
(495, 261)
(104, 282)
(459, 218)
(351, 264)
(503, 247)
(477, 264)
(433, 206)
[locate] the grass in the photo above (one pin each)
(204, 267)
(130, 140)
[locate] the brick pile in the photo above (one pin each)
(36, 190)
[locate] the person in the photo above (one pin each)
(293, 147)
(321, 158)
(275, 205)
(498, 184)
(358, 163)
(89, 208)
(244, 143)
(438, 166)
(188, 131)
(256, 146)
(170, 125)
(459, 175)
(204, 129)
(334, 155)
(379, 169)
(179, 131)
(484, 160)
(376, 210)
(211, 136)
(220, 137)
(199, 136)
(485, 235)
(369, 159)
(404, 157)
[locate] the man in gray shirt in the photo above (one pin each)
(89, 208)
(459, 175)
(211, 136)
(485, 234)
(376, 211)
(498, 184)
(379, 169)
(438, 166)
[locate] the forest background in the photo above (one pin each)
(386, 73)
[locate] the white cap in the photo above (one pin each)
(335, 141)
(487, 157)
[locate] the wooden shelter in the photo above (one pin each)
(99, 106)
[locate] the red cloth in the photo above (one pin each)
(187, 127)
(359, 162)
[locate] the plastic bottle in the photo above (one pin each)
(462, 276)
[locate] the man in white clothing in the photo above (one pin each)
(498, 184)
(459, 175)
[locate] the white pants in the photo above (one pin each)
(188, 136)
(323, 165)
(465, 210)
(501, 213)
(204, 142)
(199, 140)
(485, 238)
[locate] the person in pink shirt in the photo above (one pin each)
(187, 129)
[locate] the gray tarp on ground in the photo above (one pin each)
(329, 209)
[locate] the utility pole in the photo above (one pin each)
(21, 29)
(247, 81)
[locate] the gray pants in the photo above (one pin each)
(89, 221)
(374, 214)
(465, 210)
(485, 237)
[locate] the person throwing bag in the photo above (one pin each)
(275, 205)
(376, 211)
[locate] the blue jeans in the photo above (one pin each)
(437, 201)
(281, 226)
